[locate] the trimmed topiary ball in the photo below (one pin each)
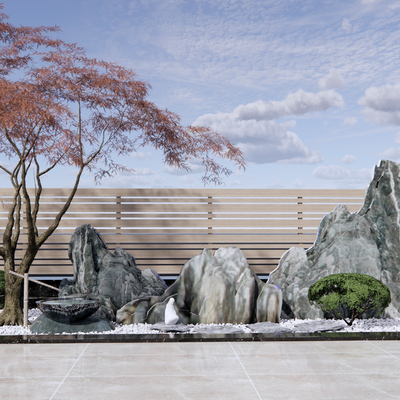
(2, 289)
(357, 293)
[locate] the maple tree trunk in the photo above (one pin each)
(12, 313)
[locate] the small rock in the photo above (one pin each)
(217, 329)
(268, 327)
(171, 328)
(320, 326)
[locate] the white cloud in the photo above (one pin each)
(338, 173)
(275, 185)
(189, 181)
(195, 166)
(397, 138)
(126, 180)
(233, 183)
(346, 25)
(348, 159)
(332, 80)
(298, 103)
(350, 121)
(382, 104)
(391, 154)
(141, 172)
(252, 127)
(298, 183)
(262, 141)
(239, 172)
(369, 2)
(140, 155)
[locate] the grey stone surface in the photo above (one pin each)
(219, 288)
(217, 330)
(68, 310)
(46, 325)
(171, 328)
(365, 242)
(268, 327)
(111, 278)
(320, 326)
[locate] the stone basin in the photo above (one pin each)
(69, 309)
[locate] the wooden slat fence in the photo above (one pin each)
(163, 228)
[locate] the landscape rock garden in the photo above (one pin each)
(216, 292)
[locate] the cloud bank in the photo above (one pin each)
(254, 129)
(382, 104)
(298, 103)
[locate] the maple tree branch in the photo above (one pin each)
(38, 193)
(80, 132)
(46, 234)
(52, 166)
(17, 228)
(11, 142)
(5, 170)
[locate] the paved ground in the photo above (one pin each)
(221, 370)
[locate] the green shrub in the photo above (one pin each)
(2, 290)
(357, 293)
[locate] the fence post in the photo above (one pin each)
(210, 229)
(26, 294)
(118, 218)
(300, 219)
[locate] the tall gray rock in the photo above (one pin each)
(366, 242)
(219, 288)
(113, 278)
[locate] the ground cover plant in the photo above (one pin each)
(60, 107)
(356, 293)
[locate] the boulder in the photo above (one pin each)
(219, 288)
(366, 242)
(112, 278)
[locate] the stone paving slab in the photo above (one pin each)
(320, 326)
(268, 327)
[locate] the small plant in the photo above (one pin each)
(2, 289)
(357, 293)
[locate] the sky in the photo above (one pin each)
(309, 90)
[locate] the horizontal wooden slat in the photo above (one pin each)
(163, 228)
(146, 209)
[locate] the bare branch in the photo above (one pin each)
(5, 170)
(46, 234)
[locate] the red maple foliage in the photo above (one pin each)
(59, 106)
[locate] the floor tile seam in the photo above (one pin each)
(394, 375)
(310, 353)
(214, 373)
(66, 376)
(383, 350)
(211, 375)
(244, 369)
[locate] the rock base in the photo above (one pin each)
(48, 326)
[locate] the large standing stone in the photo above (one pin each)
(366, 242)
(211, 289)
(113, 278)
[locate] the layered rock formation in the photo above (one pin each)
(112, 278)
(365, 242)
(211, 289)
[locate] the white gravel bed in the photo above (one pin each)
(362, 325)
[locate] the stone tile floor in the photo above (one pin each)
(201, 370)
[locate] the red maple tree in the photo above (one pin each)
(60, 107)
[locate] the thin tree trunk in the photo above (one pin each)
(12, 313)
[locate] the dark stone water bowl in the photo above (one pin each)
(69, 309)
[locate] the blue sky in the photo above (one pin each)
(309, 90)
